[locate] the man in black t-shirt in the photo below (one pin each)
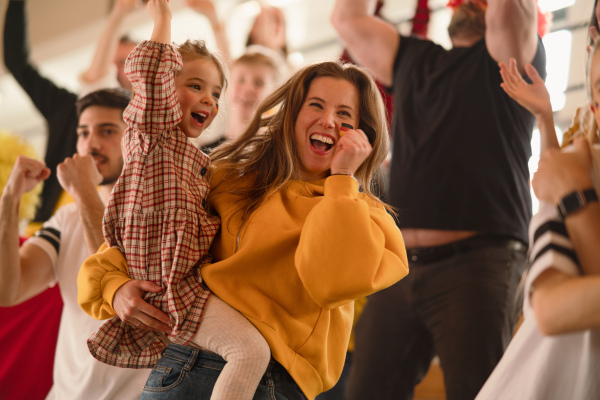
(459, 179)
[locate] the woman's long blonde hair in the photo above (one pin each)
(266, 157)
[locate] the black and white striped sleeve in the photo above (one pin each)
(550, 247)
(48, 238)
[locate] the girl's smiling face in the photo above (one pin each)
(198, 86)
(329, 103)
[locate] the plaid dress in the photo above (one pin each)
(155, 214)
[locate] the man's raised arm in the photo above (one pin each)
(25, 271)
(372, 42)
(80, 178)
(511, 30)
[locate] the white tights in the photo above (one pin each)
(223, 330)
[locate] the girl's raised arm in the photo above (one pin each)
(160, 11)
(534, 97)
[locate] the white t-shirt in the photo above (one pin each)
(535, 366)
(78, 375)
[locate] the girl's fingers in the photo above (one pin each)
(533, 74)
(509, 83)
(515, 75)
(509, 76)
(513, 68)
(507, 89)
(514, 72)
(504, 73)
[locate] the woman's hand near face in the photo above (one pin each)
(352, 149)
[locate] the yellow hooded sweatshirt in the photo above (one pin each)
(294, 270)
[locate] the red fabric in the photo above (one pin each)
(421, 19)
(543, 23)
(28, 335)
(455, 3)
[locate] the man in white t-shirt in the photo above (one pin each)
(57, 251)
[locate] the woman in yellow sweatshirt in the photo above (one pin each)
(302, 236)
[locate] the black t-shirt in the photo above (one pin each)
(56, 104)
(461, 145)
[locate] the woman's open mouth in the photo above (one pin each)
(320, 142)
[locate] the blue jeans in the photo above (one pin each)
(189, 373)
(461, 307)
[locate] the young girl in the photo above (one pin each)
(156, 215)
(555, 353)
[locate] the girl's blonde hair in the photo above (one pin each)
(265, 157)
(192, 50)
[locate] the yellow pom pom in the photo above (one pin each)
(11, 146)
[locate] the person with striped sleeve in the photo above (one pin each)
(57, 251)
(555, 354)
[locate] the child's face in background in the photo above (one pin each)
(595, 84)
(198, 86)
(250, 83)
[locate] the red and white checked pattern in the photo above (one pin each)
(155, 214)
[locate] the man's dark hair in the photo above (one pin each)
(112, 98)
(125, 39)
